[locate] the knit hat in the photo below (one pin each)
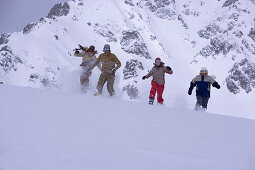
(106, 48)
(157, 60)
(91, 48)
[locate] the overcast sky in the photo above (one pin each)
(16, 14)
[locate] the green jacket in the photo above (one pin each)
(109, 63)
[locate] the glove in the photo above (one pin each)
(144, 77)
(217, 86)
(77, 52)
(113, 71)
(168, 68)
(189, 92)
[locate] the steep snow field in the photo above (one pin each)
(55, 130)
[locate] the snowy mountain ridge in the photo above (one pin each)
(185, 34)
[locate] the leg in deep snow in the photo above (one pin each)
(100, 84)
(84, 79)
(160, 91)
(201, 103)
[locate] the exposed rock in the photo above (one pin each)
(232, 87)
(219, 45)
(129, 2)
(182, 21)
(251, 48)
(105, 31)
(131, 90)
(242, 76)
(42, 20)
(238, 34)
(81, 4)
(47, 79)
(206, 51)
(213, 29)
(234, 16)
(131, 16)
(229, 2)
(33, 77)
(29, 28)
(166, 13)
(189, 12)
(132, 42)
(4, 38)
(204, 34)
(153, 37)
(252, 34)
(59, 10)
(231, 26)
(164, 9)
(46, 82)
(75, 18)
(130, 70)
(8, 60)
(56, 37)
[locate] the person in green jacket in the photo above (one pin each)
(110, 63)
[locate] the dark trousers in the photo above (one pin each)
(201, 102)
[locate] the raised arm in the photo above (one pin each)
(79, 54)
(168, 70)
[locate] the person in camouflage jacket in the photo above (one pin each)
(158, 80)
(110, 63)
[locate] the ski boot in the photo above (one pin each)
(151, 100)
(96, 93)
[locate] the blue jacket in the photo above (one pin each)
(203, 85)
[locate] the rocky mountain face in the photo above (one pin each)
(232, 35)
(128, 26)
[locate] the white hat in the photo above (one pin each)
(204, 71)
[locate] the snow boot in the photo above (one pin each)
(151, 100)
(96, 94)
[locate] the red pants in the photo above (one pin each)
(155, 87)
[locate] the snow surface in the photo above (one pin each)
(56, 130)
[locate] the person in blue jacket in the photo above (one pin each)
(203, 83)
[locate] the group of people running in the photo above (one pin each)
(108, 64)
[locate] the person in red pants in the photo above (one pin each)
(158, 80)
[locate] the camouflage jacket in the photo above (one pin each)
(109, 63)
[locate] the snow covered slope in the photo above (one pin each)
(186, 34)
(43, 129)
